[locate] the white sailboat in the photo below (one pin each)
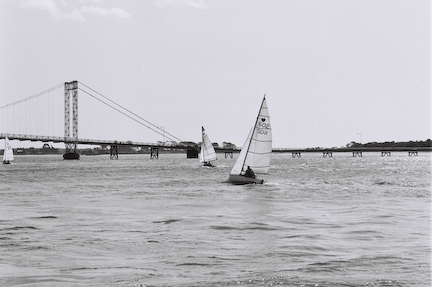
(8, 152)
(208, 153)
(256, 152)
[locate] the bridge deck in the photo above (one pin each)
(22, 137)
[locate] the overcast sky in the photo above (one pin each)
(330, 69)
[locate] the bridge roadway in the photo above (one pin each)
(34, 138)
(22, 137)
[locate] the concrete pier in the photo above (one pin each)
(327, 154)
(154, 153)
(296, 154)
(229, 154)
(114, 152)
(357, 153)
(71, 155)
(385, 153)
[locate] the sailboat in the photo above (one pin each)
(8, 152)
(255, 155)
(208, 152)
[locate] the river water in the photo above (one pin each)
(340, 221)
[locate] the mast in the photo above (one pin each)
(202, 144)
(254, 127)
(4, 152)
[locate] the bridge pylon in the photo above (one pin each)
(71, 91)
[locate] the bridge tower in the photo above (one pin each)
(71, 90)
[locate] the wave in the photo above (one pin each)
(18, 228)
(169, 221)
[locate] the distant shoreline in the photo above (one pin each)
(40, 151)
(353, 146)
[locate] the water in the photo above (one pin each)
(316, 221)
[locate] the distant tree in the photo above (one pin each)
(228, 145)
(426, 143)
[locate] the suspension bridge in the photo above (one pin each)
(38, 118)
(52, 116)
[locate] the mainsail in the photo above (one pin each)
(8, 152)
(208, 152)
(256, 151)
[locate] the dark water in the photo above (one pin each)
(316, 221)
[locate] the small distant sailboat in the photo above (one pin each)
(255, 155)
(208, 153)
(8, 152)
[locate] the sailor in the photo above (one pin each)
(249, 173)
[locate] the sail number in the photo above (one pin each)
(262, 127)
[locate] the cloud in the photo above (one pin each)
(75, 15)
(117, 12)
(197, 4)
(47, 5)
(53, 9)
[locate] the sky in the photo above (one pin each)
(333, 71)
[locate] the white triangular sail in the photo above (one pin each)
(8, 152)
(208, 152)
(256, 151)
(238, 166)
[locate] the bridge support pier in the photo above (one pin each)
(327, 154)
(191, 152)
(114, 152)
(385, 153)
(296, 154)
(154, 153)
(357, 153)
(71, 155)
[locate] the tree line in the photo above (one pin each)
(418, 144)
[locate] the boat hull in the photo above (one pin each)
(208, 164)
(241, 179)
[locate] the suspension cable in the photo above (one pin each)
(126, 114)
(34, 96)
(158, 131)
(164, 132)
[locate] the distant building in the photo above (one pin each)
(228, 145)
(186, 144)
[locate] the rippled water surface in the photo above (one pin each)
(340, 221)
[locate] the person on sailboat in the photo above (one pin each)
(249, 173)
